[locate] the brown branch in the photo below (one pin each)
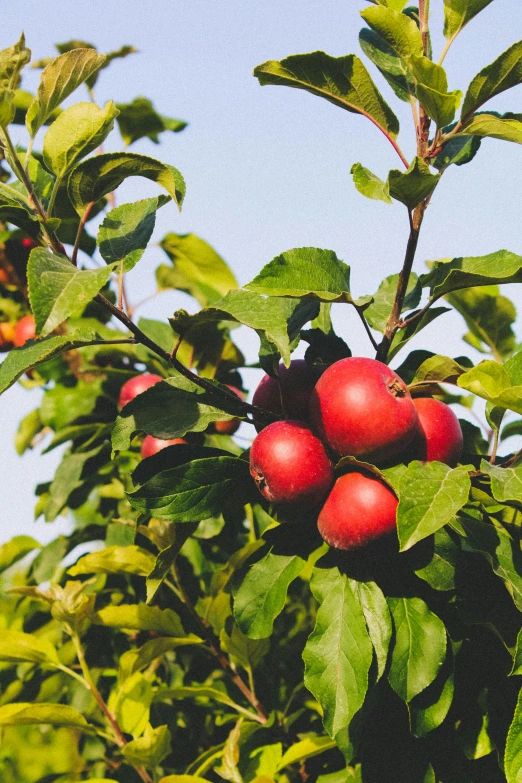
(360, 313)
(81, 226)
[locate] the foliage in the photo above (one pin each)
(198, 634)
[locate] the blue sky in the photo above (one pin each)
(268, 169)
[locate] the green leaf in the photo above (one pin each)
(15, 209)
(58, 289)
(458, 150)
(66, 479)
(12, 60)
(34, 352)
(431, 87)
(243, 651)
(262, 594)
(430, 495)
(15, 549)
(507, 128)
(450, 275)
(378, 620)
(198, 269)
(201, 692)
(439, 572)
(513, 751)
(505, 72)
(28, 428)
(420, 647)
(489, 318)
(34, 714)
(305, 271)
(126, 230)
(138, 617)
(397, 30)
(140, 119)
(393, 67)
(276, 320)
(517, 656)
(506, 483)
(130, 703)
(429, 709)
(490, 380)
(501, 551)
(78, 130)
(115, 560)
(378, 312)
(457, 13)
(169, 410)
(166, 557)
(150, 749)
(194, 490)
(338, 654)
(139, 658)
(95, 177)
(414, 185)
(438, 368)
(183, 779)
(369, 184)
(406, 334)
(306, 749)
(222, 577)
(58, 80)
(17, 647)
(230, 758)
(344, 81)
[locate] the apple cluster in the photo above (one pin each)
(358, 408)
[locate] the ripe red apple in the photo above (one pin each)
(359, 508)
(232, 425)
(135, 386)
(289, 465)
(360, 407)
(24, 331)
(297, 383)
(440, 435)
(152, 445)
(7, 332)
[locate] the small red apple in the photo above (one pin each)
(24, 330)
(135, 386)
(152, 445)
(7, 333)
(232, 425)
(360, 407)
(440, 435)
(359, 508)
(296, 382)
(289, 465)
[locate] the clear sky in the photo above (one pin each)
(268, 169)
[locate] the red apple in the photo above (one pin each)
(440, 437)
(24, 331)
(7, 332)
(135, 386)
(360, 407)
(297, 383)
(289, 465)
(232, 425)
(152, 445)
(359, 509)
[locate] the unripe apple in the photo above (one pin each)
(152, 445)
(232, 425)
(297, 383)
(359, 509)
(24, 331)
(360, 407)
(7, 331)
(440, 435)
(135, 386)
(289, 465)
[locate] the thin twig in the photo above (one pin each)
(496, 434)
(81, 226)
(367, 327)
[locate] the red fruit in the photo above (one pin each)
(297, 383)
(29, 244)
(232, 425)
(152, 445)
(440, 437)
(135, 386)
(4, 277)
(359, 509)
(24, 331)
(7, 332)
(289, 465)
(362, 408)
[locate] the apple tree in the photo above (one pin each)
(344, 602)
